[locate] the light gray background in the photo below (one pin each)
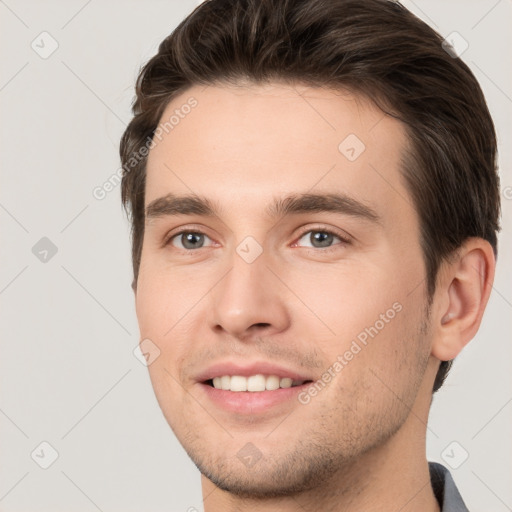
(68, 373)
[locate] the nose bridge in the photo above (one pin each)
(249, 293)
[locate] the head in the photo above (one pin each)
(344, 117)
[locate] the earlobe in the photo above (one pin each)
(462, 295)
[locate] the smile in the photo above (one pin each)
(253, 383)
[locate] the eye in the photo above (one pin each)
(321, 238)
(188, 240)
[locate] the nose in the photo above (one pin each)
(249, 300)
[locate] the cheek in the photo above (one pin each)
(347, 297)
(150, 307)
(167, 305)
(164, 295)
(377, 338)
(394, 358)
(169, 393)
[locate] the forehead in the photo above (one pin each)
(243, 144)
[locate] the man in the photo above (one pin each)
(314, 202)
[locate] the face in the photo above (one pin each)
(296, 262)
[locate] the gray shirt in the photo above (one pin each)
(445, 489)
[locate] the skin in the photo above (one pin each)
(359, 444)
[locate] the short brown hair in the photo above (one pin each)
(373, 47)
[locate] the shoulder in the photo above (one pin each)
(445, 489)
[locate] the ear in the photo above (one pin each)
(462, 291)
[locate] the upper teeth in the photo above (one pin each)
(253, 383)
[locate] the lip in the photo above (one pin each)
(248, 369)
(252, 402)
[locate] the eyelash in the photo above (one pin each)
(318, 229)
(321, 229)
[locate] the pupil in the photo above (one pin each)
(323, 238)
(191, 238)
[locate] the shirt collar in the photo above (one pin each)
(445, 489)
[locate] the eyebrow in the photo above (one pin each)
(192, 204)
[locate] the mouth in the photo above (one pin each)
(251, 388)
(254, 383)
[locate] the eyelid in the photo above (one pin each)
(342, 235)
(183, 229)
